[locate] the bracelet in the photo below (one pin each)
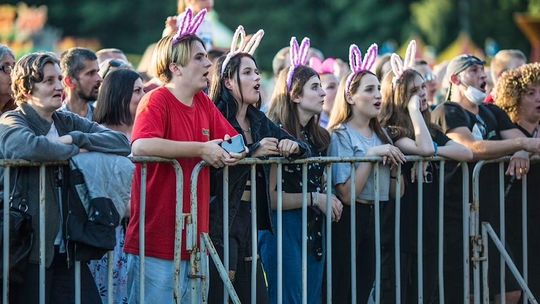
(436, 148)
(393, 177)
(311, 198)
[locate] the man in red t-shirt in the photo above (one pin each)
(174, 121)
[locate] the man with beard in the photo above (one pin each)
(489, 133)
(82, 80)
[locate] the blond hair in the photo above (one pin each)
(513, 85)
(165, 54)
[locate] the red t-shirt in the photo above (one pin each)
(162, 115)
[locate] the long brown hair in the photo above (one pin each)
(342, 110)
(285, 112)
(394, 114)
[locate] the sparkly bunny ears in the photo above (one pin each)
(240, 45)
(298, 56)
(357, 64)
(189, 25)
(398, 66)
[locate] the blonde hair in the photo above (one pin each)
(165, 54)
(512, 85)
(342, 110)
(502, 59)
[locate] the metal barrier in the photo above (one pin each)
(480, 241)
(223, 267)
(180, 220)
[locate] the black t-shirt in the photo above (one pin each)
(487, 125)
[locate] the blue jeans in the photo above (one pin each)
(292, 261)
(159, 281)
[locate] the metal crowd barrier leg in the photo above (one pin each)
(353, 233)
(485, 268)
(254, 244)
(397, 236)
(78, 282)
(419, 228)
(377, 235)
(280, 233)
(110, 291)
(42, 190)
(500, 246)
(329, 235)
(441, 232)
(5, 270)
(466, 223)
(524, 226)
(304, 232)
(142, 219)
(179, 225)
(502, 231)
(226, 228)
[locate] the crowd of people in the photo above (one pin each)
(57, 107)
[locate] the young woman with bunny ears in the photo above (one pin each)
(235, 91)
(406, 116)
(296, 103)
(356, 132)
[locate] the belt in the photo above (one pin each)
(365, 202)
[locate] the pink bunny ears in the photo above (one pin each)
(357, 64)
(298, 56)
(189, 25)
(239, 45)
(322, 67)
(398, 66)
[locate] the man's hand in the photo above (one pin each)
(519, 164)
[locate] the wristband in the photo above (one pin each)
(436, 148)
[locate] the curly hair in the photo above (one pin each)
(513, 85)
(29, 71)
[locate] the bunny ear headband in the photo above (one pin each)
(322, 67)
(189, 25)
(358, 65)
(398, 66)
(239, 45)
(298, 56)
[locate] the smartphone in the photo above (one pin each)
(235, 144)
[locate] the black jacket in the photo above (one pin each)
(261, 127)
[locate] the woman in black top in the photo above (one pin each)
(236, 93)
(405, 114)
(518, 93)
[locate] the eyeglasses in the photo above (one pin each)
(6, 69)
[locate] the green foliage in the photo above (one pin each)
(431, 16)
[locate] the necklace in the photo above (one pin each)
(248, 130)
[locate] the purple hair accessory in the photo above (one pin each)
(298, 56)
(398, 66)
(322, 67)
(239, 45)
(358, 65)
(189, 25)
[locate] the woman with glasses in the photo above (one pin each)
(406, 116)
(7, 62)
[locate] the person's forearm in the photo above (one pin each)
(487, 149)
(166, 148)
(422, 136)
(455, 152)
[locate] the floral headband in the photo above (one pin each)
(239, 45)
(398, 66)
(358, 65)
(189, 25)
(322, 67)
(298, 56)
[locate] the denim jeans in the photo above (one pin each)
(159, 281)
